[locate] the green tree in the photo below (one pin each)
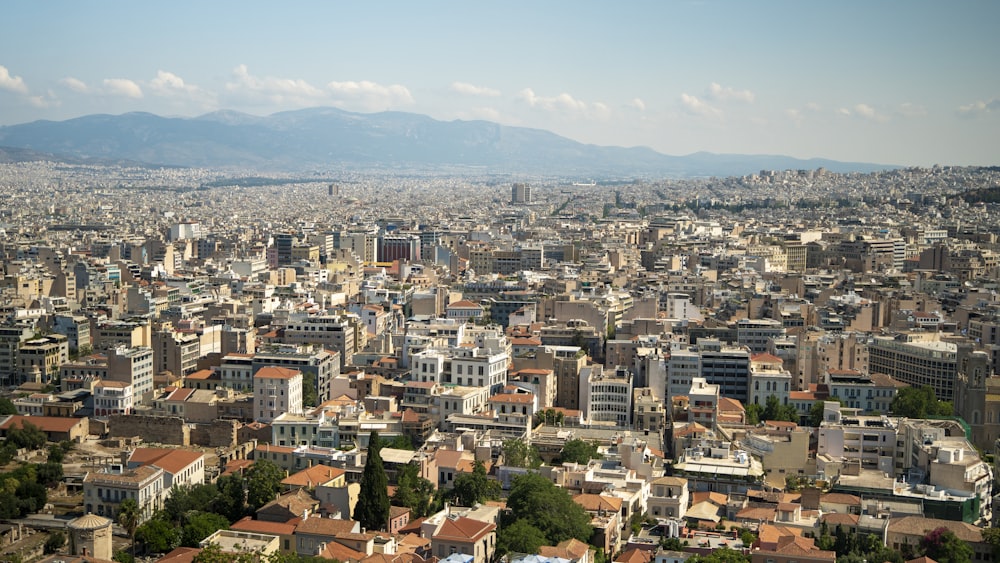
(919, 402)
(517, 453)
(579, 451)
(943, 546)
(128, 518)
(723, 555)
(54, 542)
(158, 536)
(754, 412)
(27, 436)
(231, 500)
(551, 417)
(475, 487)
(816, 414)
(414, 492)
(521, 537)
(992, 537)
(372, 509)
(549, 508)
(200, 525)
(263, 483)
(184, 499)
(774, 410)
(7, 406)
(49, 473)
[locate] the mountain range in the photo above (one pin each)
(332, 139)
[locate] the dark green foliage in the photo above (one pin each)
(128, 518)
(774, 410)
(158, 536)
(476, 487)
(27, 436)
(187, 498)
(7, 406)
(754, 412)
(200, 525)
(122, 556)
(309, 396)
(541, 504)
(50, 473)
(414, 492)
(516, 453)
(723, 555)
(54, 542)
(551, 417)
(263, 481)
(372, 509)
(913, 402)
(579, 451)
(943, 546)
(231, 501)
(521, 537)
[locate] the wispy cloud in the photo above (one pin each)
(696, 106)
(908, 109)
(123, 87)
(863, 111)
(720, 93)
(979, 107)
(47, 100)
(565, 104)
(169, 85)
(12, 83)
(270, 90)
(75, 84)
(370, 95)
(638, 104)
(473, 90)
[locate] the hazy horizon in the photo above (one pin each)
(901, 83)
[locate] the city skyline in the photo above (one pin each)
(894, 83)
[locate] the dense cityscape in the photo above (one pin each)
(791, 366)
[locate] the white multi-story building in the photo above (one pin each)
(683, 366)
(606, 396)
(703, 403)
(112, 397)
(277, 390)
(104, 491)
(767, 378)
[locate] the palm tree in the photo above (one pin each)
(128, 518)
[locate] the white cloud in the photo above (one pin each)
(868, 112)
(169, 85)
(562, 102)
(273, 90)
(813, 106)
(12, 83)
(565, 104)
(122, 87)
(725, 94)
(270, 90)
(696, 106)
(473, 90)
(844, 111)
(795, 115)
(44, 101)
(979, 107)
(370, 95)
(485, 113)
(908, 109)
(638, 104)
(75, 84)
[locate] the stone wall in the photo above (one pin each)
(152, 429)
(215, 434)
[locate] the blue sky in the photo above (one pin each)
(903, 82)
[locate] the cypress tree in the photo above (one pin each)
(372, 510)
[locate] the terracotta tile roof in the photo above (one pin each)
(757, 513)
(569, 549)
(634, 555)
(313, 476)
(275, 372)
(171, 460)
(463, 529)
(341, 552)
(839, 519)
(519, 398)
(918, 525)
(331, 527)
(44, 423)
(180, 555)
(248, 524)
(840, 498)
(595, 503)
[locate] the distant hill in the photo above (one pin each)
(329, 138)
